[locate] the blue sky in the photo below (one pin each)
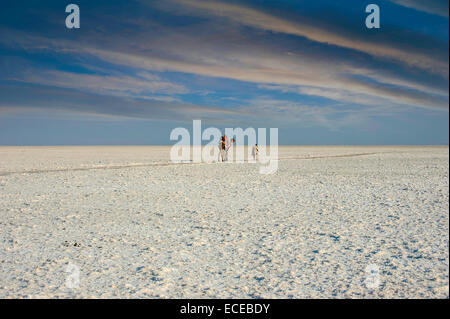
(137, 69)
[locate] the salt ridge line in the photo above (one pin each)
(35, 171)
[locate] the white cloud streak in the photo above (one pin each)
(438, 7)
(257, 64)
(324, 34)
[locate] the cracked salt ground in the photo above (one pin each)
(309, 230)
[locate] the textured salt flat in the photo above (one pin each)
(136, 229)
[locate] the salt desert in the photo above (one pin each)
(138, 226)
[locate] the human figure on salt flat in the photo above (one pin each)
(255, 152)
(227, 147)
(222, 148)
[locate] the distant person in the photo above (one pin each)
(222, 148)
(227, 147)
(255, 152)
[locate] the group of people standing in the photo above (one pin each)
(224, 146)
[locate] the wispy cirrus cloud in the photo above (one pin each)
(306, 115)
(16, 98)
(283, 69)
(141, 85)
(438, 7)
(315, 30)
(243, 60)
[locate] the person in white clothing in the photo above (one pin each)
(227, 147)
(222, 148)
(255, 152)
